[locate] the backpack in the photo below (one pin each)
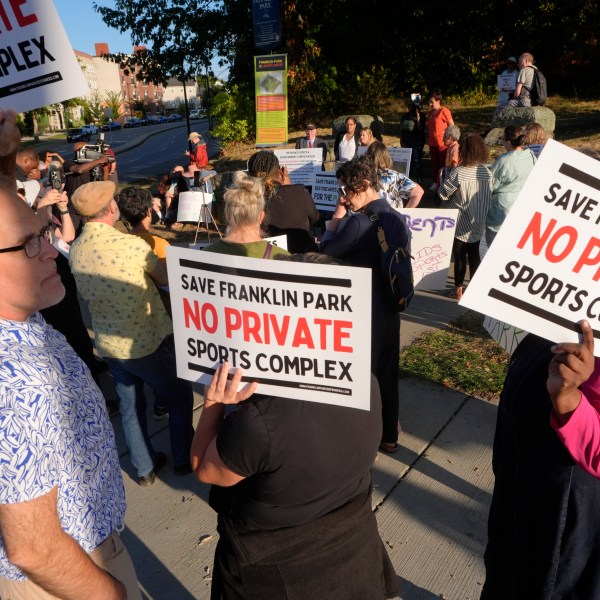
(539, 88)
(396, 268)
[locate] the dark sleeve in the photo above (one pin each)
(243, 442)
(297, 146)
(311, 210)
(336, 144)
(339, 244)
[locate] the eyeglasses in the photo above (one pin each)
(344, 189)
(33, 245)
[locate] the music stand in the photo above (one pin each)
(205, 214)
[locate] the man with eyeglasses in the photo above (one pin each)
(61, 494)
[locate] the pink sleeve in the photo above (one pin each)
(581, 434)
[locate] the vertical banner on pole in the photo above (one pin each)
(266, 21)
(270, 76)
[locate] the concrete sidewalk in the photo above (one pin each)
(431, 498)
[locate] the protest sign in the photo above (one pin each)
(37, 64)
(541, 273)
(325, 190)
(507, 83)
(506, 335)
(298, 329)
(190, 205)
(401, 158)
(536, 149)
(302, 164)
(278, 240)
(432, 235)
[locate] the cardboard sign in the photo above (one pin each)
(190, 207)
(302, 164)
(506, 335)
(325, 190)
(37, 64)
(432, 232)
(401, 158)
(278, 240)
(541, 273)
(300, 330)
(507, 83)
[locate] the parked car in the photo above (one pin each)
(92, 129)
(78, 135)
(112, 125)
(160, 120)
(174, 117)
(144, 121)
(198, 113)
(131, 122)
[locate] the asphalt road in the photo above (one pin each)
(162, 150)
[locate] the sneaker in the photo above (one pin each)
(160, 413)
(159, 461)
(433, 187)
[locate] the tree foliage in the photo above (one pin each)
(347, 56)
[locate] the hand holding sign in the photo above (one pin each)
(571, 366)
(221, 391)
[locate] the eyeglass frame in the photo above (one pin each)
(45, 232)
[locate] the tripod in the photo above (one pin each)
(204, 216)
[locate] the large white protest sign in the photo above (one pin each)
(325, 190)
(190, 207)
(302, 164)
(432, 235)
(401, 158)
(302, 331)
(541, 273)
(37, 64)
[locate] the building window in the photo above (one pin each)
(122, 79)
(146, 94)
(131, 79)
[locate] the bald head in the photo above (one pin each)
(27, 284)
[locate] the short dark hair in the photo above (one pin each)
(134, 203)
(354, 173)
(437, 95)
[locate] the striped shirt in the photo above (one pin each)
(470, 190)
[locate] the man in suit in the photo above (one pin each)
(312, 141)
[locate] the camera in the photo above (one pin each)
(416, 100)
(91, 152)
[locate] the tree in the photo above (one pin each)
(114, 102)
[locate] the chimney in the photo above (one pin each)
(101, 49)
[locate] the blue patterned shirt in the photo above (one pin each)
(395, 187)
(54, 431)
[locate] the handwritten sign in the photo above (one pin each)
(302, 164)
(432, 235)
(541, 273)
(190, 208)
(298, 329)
(325, 190)
(401, 158)
(37, 64)
(506, 335)
(507, 83)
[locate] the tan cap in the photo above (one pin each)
(91, 198)
(193, 135)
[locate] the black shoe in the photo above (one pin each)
(184, 469)
(160, 413)
(159, 461)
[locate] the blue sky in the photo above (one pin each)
(85, 27)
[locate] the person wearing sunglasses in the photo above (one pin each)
(351, 236)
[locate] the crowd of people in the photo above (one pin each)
(62, 500)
